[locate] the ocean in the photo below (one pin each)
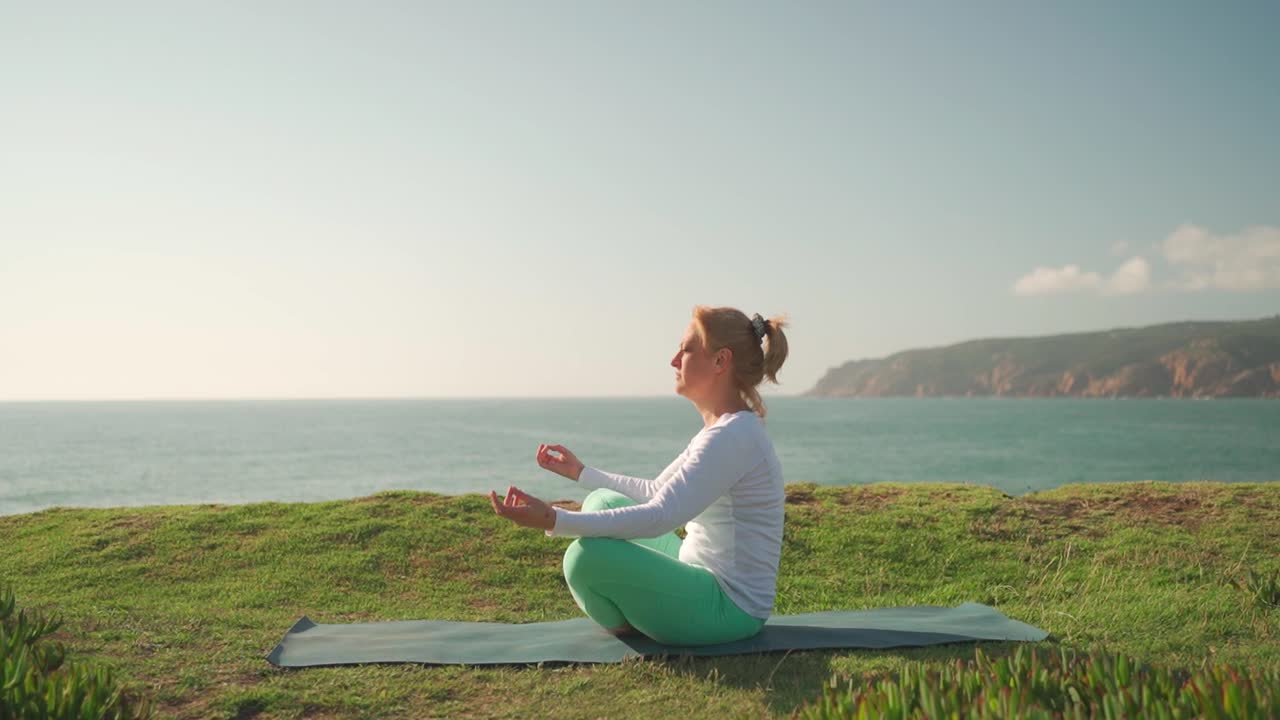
(103, 454)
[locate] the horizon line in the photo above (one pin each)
(322, 398)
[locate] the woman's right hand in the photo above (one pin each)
(567, 464)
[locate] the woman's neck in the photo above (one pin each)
(714, 411)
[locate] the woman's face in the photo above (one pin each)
(695, 367)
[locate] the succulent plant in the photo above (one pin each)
(1061, 684)
(36, 681)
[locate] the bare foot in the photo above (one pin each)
(626, 629)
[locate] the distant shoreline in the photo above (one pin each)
(1191, 360)
(767, 399)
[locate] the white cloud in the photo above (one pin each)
(1045, 281)
(1247, 261)
(1198, 259)
(1134, 276)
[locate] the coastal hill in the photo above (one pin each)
(1186, 359)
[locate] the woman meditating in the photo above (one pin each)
(628, 570)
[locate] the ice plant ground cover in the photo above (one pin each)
(1045, 685)
(38, 683)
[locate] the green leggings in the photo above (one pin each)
(644, 583)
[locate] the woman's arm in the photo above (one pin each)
(710, 467)
(638, 489)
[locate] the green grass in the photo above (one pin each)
(184, 602)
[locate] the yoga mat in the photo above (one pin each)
(446, 642)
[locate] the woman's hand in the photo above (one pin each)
(523, 509)
(567, 464)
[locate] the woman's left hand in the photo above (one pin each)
(523, 509)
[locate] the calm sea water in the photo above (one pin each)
(144, 453)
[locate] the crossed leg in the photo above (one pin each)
(640, 585)
(667, 544)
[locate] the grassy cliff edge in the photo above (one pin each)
(183, 602)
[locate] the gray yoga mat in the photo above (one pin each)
(446, 642)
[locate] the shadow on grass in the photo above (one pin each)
(792, 678)
(789, 678)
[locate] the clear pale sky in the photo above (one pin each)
(269, 199)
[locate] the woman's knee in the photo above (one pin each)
(587, 555)
(603, 499)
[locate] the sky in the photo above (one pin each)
(480, 199)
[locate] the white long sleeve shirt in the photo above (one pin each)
(726, 488)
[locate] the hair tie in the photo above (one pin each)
(758, 324)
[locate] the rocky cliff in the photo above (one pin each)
(1189, 359)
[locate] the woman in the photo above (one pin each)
(628, 570)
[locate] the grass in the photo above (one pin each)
(184, 602)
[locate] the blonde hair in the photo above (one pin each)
(726, 327)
